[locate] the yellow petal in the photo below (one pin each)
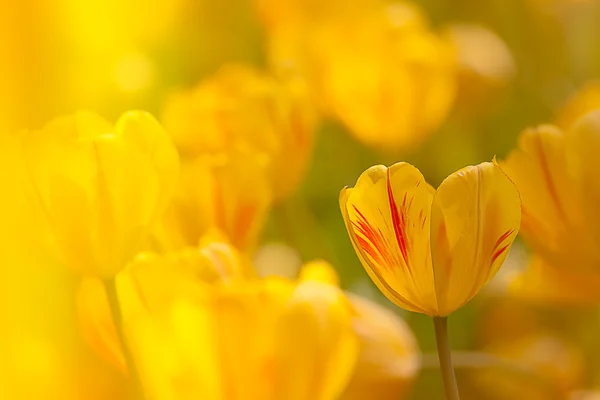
(212, 262)
(141, 129)
(127, 196)
(60, 166)
(475, 217)
(242, 198)
(148, 286)
(177, 353)
(547, 284)
(387, 217)
(319, 271)
(315, 346)
(582, 102)
(389, 357)
(247, 359)
(552, 201)
(230, 193)
(96, 321)
(190, 214)
(583, 147)
(82, 125)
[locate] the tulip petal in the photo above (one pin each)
(538, 168)
(475, 217)
(389, 357)
(547, 284)
(142, 130)
(315, 346)
(247, 316)
(552, 200)
(127, 192)
(387, 216)
(583, 147)
(177, 353)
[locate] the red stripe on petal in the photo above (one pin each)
(398, 221)
(499, 253)
(502, 238)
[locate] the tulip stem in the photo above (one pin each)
(443, 346)
(110, 286)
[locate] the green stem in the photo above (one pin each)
(110, 286)
(444, 354)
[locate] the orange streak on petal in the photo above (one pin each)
(371, 240)
(547, 175)
(244, 220)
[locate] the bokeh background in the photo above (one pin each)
(519, 63)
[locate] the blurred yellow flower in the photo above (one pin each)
(529, 358)
(536, 367)
(229, 193)
(485, 64)
(543, 282)
(582, 102)
(150, 283)
(228, 338)
(240, 109)
(101, 187)
(297, 14)
(382, 72)
(304, 339)
(556, 173)
(389, 357)
(431, 251)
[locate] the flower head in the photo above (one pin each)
(556, 173)
(243, 110)
(431, 251)
(198, 329)
(101, 187)
(230, 194)
(382, 72)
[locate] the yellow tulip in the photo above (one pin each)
(230, 194)
(431, 251)
(485, 65)
(154, 280)
(241, 109)
(389, 357)
(383, 73)
(316, 347)
(220, 337)
(101, 187)
(556, 173)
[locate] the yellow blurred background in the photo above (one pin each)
(505, 65)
